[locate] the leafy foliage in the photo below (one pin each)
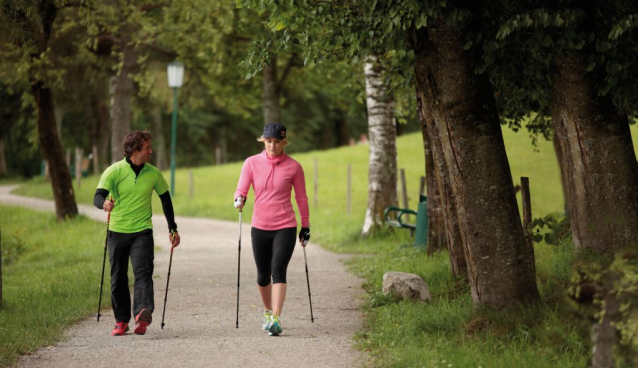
(552, 229)
(590, 285)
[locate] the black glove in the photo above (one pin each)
(304, 234)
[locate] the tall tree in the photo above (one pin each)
(382, 166)
(31, 26)
(270, 92)
(588, 50)
(479, 173)
(441, 198)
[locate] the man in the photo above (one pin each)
(129, 185)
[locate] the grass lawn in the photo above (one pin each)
(51, 273)
(448, 332)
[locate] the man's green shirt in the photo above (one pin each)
(133, 211)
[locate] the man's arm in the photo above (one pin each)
(167, 206)
(100, 197)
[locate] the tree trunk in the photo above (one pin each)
(466, 129)
(436, 223)
(159, 141)
(104, 139)
(92, 118)
(341, 129)
(65, 206)
(3, 161)
(447, 199)
(270, 93)
(605, 335)
(382, 174)
(563, 172)
(124, 89)
(597, 152)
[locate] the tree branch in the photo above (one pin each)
(170, 53)
(292, 62)
(150, 7)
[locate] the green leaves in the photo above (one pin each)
(552, 229)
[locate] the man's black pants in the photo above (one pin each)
(140, 248)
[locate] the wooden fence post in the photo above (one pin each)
(316, 182)
(192, 184)
(349, 189)
(78, 166)
(96, 161)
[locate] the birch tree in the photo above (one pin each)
(382, 166)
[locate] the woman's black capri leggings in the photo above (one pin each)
(272, 251)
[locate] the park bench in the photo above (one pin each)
(394, 217)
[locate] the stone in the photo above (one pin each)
(406, 286)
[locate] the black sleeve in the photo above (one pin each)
(167, 206)
(100, 197)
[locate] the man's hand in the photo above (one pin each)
(108, 205)
(240, 202)
(173, 237)
(304, 236)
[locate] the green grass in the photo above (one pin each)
(448, 332)
(51, 274)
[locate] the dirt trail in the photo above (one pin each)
(200, 317)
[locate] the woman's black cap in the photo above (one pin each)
(274, 130)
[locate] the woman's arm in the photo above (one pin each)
(245, 179)
(299, 184)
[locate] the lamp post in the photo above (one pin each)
(175, 79)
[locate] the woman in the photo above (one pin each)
(273, 174)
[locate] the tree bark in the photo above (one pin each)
(104, 139)
(605, 335)
(341, 129)
(65, 206)
(563, 172)
(436, 222)
(3, 161)
(382, 173)
(159, 141)
(447, 199)
(121, 109)
(465, 129)
(597, 152)
(270, 93)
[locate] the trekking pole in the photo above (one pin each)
(168, 279)
(238, 203)
(312, 318)
(106, 241)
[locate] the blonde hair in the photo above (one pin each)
(285, 140)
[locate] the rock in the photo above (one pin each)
(406, 286)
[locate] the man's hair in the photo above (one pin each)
(134, 141)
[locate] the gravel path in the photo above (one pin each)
(200, 317)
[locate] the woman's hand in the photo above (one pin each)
(304, 236)
(240, 202)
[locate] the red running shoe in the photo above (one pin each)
(120, 329)
(142, 320)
